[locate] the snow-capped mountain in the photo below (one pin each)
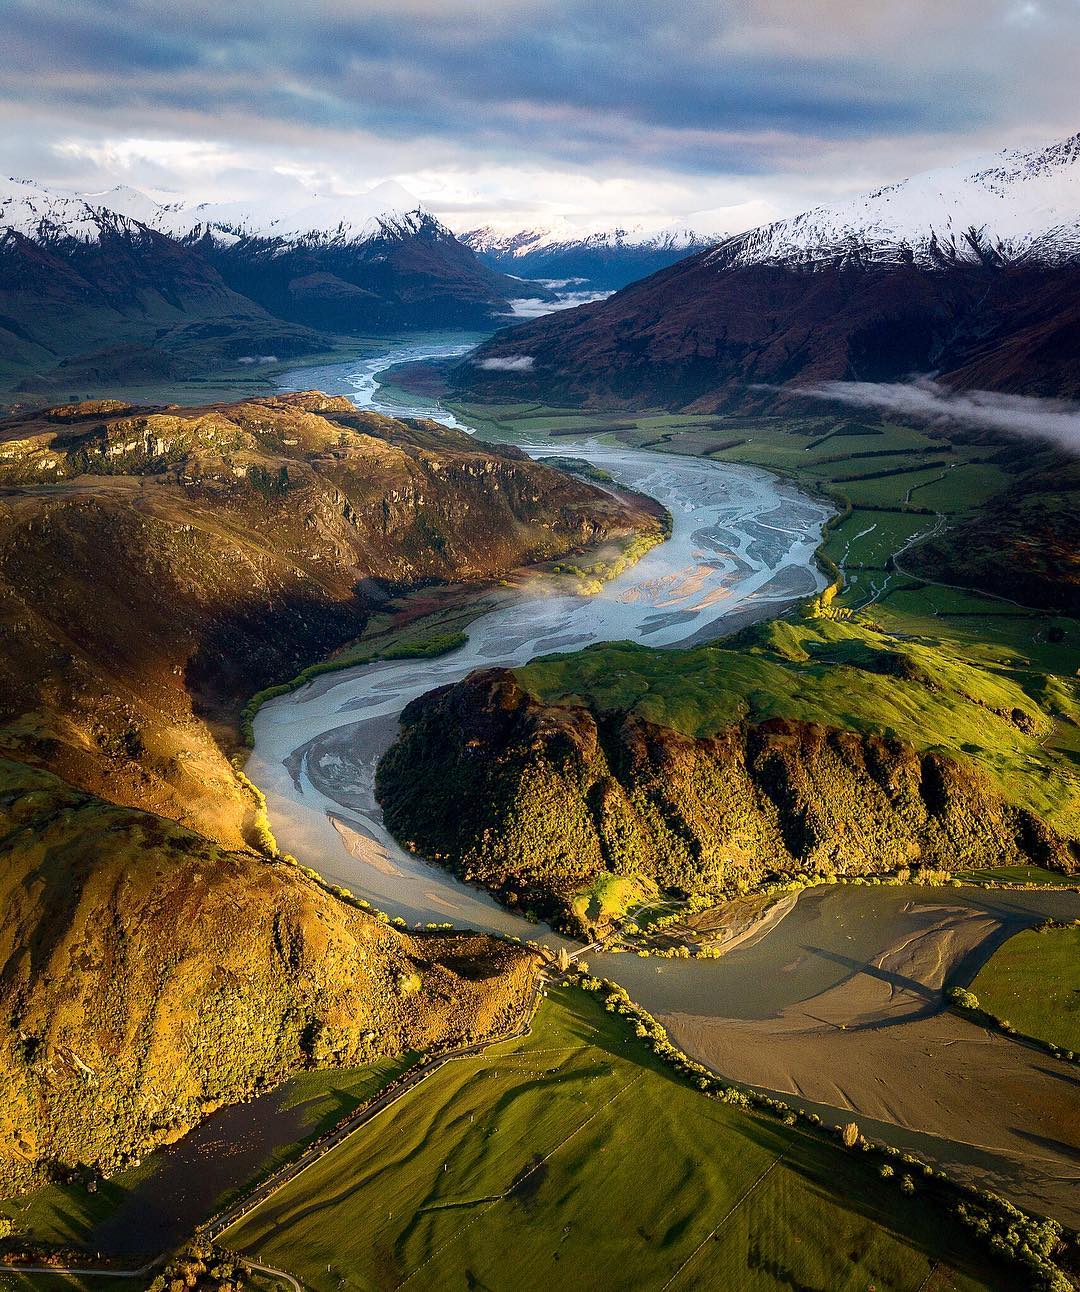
(386, 211)
(84, 274)
(45, 215)
(1011, 207)
(562, 237)
(605, 259)
(970, 273)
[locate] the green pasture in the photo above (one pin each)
(1033, 982)
(571, 1159)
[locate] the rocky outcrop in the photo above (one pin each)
(543, 800)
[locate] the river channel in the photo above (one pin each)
(840, 1004)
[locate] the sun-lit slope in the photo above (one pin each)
(826, 746)
(522, 1169)
(146, 976)
(158, 566)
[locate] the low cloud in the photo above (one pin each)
(510, 363)
(929, 401)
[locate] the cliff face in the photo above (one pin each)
(544, 801)
(147, 976)
(159, 566)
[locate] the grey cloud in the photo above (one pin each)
(573, 78)
(927, 401)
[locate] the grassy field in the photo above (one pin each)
(297, 1112)
(523, 1169)
(1033, 982)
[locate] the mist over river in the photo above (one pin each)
(839, 1004)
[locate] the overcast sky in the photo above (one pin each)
(519, 112)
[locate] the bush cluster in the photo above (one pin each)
(204, 1268)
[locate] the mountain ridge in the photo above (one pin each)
(826, 297)
(155, 292)
(603, 260)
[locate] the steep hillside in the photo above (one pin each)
(970, 273)
(146, 977)
(158, 566)
(704, 338)
(824, 747)
(1023, 548)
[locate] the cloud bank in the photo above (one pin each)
(680, 106)
(928, 401)
(509, 363)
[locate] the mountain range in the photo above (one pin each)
(117, 287)
(968, 272)
(600, 261)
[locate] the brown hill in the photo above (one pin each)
(146, 977)
(707, 337)
(158, 566)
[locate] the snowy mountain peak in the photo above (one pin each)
(1014, 206)
(45, 215)
(386, 211)
(563, 236)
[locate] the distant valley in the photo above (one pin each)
(115, 288)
